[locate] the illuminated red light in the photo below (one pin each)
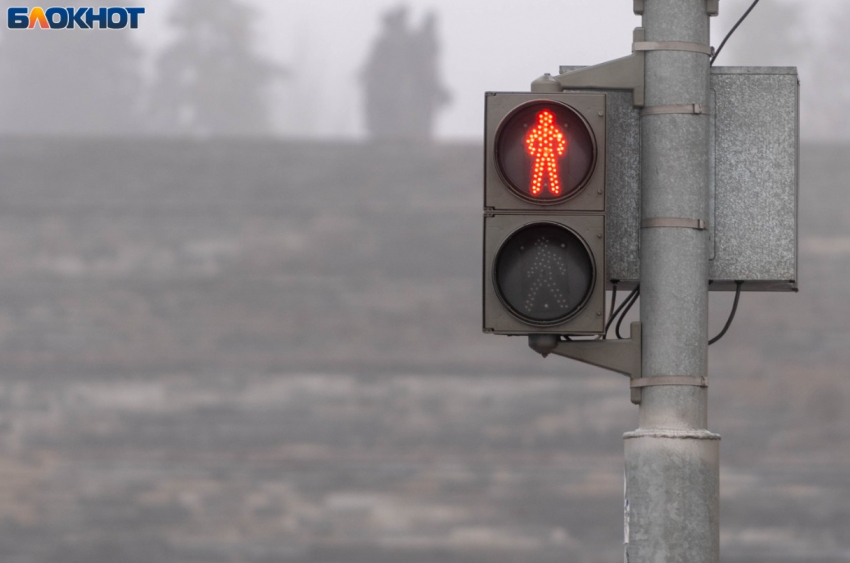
(545, 142)
(544, 152)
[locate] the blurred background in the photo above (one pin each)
(240, 297)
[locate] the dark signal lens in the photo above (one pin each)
(545, 152)
(544, 274)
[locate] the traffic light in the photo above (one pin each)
(544, 213)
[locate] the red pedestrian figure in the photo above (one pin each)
(545, 143)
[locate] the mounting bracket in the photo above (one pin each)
(626, 73)
(621, 356)
(711, 6)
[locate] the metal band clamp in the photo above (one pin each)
(673, 46)
(657, 381)
(687, 109)
(711, 6)
(698, 224)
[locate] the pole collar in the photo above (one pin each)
(687, 109)
(673, 46)
(711, 6)
(676, 222)
(657, 381)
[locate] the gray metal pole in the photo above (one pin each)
(672, 460)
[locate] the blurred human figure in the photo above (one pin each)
(430, 95)
(401, 85)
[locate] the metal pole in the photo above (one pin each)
(672, 460)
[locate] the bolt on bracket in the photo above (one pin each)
(625, 73)
(621, 356)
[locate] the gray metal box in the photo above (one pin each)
(753, 209)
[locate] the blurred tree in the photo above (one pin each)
(209, 81)
(430, 94)
(69, 82)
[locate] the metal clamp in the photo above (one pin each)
(676, 222)
(711, 6)
(673, 46)
(687, 109)
(657, 381)
(637, 384)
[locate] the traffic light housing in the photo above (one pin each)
(544, 213)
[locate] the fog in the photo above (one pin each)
(240, 301)
(504, 46)
(325, 45)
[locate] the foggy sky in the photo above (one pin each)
(485, 46)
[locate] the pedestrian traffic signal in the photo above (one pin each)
(545, 150)
(556, 140)
(544, 213)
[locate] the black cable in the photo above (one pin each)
(631, 301)
(620, 308)
(613, 303)
(728, 35)
(731, 315)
